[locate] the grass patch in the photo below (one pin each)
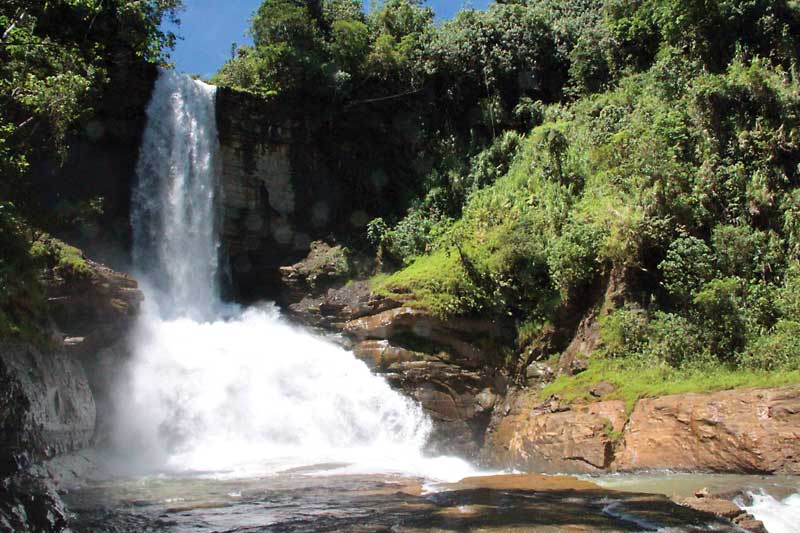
(435, 283)
(639, 379)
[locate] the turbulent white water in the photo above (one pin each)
(174, 202)
(234, 392)
(779, 516)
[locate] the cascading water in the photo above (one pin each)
(228, 391)
(174, 231)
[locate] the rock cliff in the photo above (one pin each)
(54, 391)
(751, 431)
(481, 409)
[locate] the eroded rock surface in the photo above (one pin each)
(440, 363)
(48, 389)
(547, 437)
(755, 431)
(729, 431)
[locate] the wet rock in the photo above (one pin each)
(459, 402)
(730, 431)
(725, 509)
(749, 523)
(28, 503)
(538, 371)
(46, 404)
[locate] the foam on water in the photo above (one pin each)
(778, 516)
(230, 392)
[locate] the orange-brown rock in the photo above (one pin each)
(381, 354)
(748, 430)
(730, 431)
(546, 438)
(457, 336)
(725, 509)
(716, 506)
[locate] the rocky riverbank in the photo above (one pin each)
(483, 410)
(54, 389)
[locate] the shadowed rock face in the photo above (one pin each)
(48, 392)
(46, 405)
(440, 363)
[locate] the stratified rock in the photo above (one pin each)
(731, 431)
(381, 355)
(458, 400)
(457, 337)
(749, 523)
(543, 438)
(725, 509)
(93, 309)
(715, 506)
(46, 405)
(340, 305)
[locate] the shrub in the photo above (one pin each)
(779, 350)
(688, 265)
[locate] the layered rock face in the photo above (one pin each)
(277, 194)
(755, 431)
(52, 394)
(440, 363)
(479, 411)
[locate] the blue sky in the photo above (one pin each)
(208, 27)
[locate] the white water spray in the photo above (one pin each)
(778, 516)
(175, 243)
(228, 391)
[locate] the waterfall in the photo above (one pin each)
(215, 388)
(175, 243)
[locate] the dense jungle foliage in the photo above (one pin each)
(56, 58)
(541, 147)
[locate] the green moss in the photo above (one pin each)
(609, 431)
(636, 379)
(53, 253)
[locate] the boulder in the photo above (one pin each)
(730, 431)
(340, 305)
(459, 401)
(741, 431)
(93, 309)
(550, 438)
(324, 265)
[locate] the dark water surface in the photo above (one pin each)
(320, 501)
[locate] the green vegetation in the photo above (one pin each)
(543, 146)
(524, 157)
(635, 380)
(56, 58)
